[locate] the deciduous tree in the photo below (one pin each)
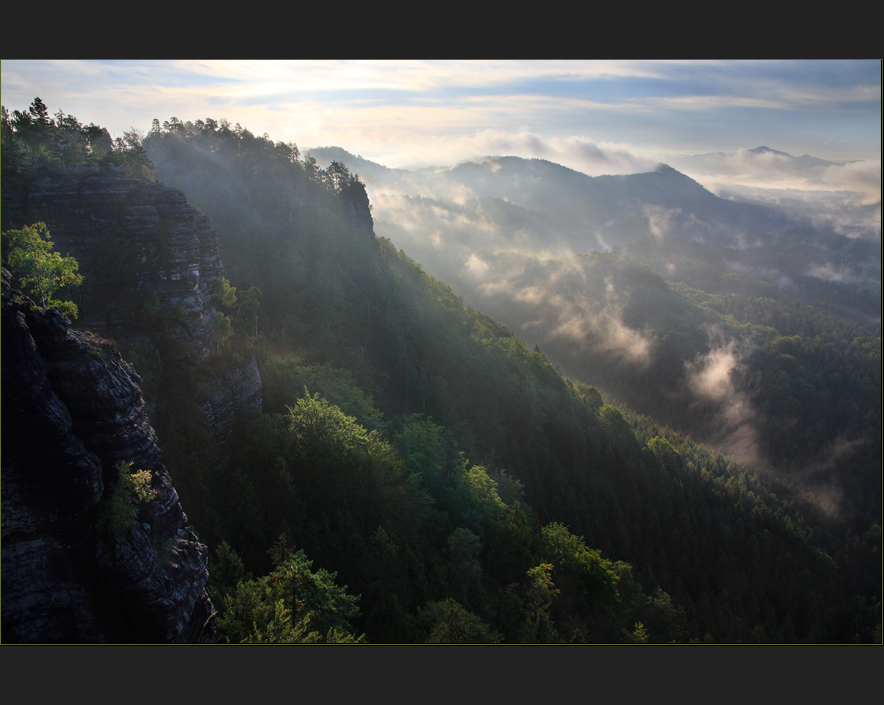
(41, 270)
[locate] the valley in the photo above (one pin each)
(503, 402)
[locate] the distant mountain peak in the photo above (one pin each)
(768, 150)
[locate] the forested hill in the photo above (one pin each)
(417, 452)
(733, 322)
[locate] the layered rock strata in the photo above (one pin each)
(142, 236)
(144, 251)
(72, 411)
(237, 387)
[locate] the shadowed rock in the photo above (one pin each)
(72, 410)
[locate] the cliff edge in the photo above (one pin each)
(72, 412)
(151, 264)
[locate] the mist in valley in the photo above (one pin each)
(604, 274)
(562, 357)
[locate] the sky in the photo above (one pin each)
(594, 116)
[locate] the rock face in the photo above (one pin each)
(146, 253)
(72, 411)
(358, 209)
(133, 235)
(232, 388)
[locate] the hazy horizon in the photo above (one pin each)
(593, 116)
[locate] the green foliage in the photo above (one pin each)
(225, 294)
(345, 470)
(223, 329)
(639, 634)
(285, 377)
(482, 492)
(63, 142)
(368, 472)
(154, 312)
(448, 622)
(617, 427)
(531, 613)
(593, 576)
(226, 570)
(421, 444)
(118, 508)
(321, 430)
(510, 490)
(41, 271)
(231, 326)
(292, 604)
(589, 396)
(663, 454)
(464, 548)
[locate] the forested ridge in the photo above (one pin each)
(789, 383)
(730, 321)
(418, 474)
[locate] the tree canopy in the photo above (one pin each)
(41, 271)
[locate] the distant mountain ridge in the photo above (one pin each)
(520, 240)
(595, 212)
(743, 159)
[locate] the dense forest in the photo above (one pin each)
(780, 381)
(729, 321)
(419, 474)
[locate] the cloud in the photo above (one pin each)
(711, 379)
(833, 273)
(774, 276)
(595, 326)
(578, 153)
(578, 113)
(476, 267)
(849, 213)
(660, 219)
(597, 160)
(785, 171)
(845, 196)
(820, 478)
(863, 177)
(711, 375)
(575, 152)
(610, 334)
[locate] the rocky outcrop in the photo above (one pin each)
(234, 388)
(358, 208)
(72, 411)
(147, 256)
(135, 237)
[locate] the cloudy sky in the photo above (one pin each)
(599, 117)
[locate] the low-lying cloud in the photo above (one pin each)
(660, 220)
(819, 479)
(845, 196)
(524, 289)
(575, 152)
(711, 378)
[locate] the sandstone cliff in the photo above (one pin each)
(133, 236)
(72, 410)
(146, 253)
